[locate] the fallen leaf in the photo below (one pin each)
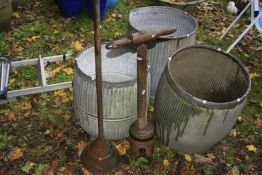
(47, 132)
(234, 132)
(16, 15)
(81, 145)
(250, 167)
(122, 147)
(67, 117)
(165, 163)
(235, 170)
(27, 167)
(11, 81)
(40, 169)
(253, 75)
(59, 134)
(68, 71)
(251, 148)
(26, 106)
(59, 62)
(188, 158)
(258, 122)
(15, 154)
(202, 159)
(62, 169)
(11, 115)
(85, 172)
(56, 70)
(211, 156)
(50, 172)
(78, 46)
(60, 93)
(120, 172)
(32, 39)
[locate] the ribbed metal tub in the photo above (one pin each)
(5, 14)
(157, 18)
(186, 5)
(119, 91)
(200, 95)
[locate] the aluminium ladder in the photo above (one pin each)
(43, 86)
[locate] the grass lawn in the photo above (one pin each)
(39, 134)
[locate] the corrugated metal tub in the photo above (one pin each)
(119, 91)
(199, 98)
(160, 17)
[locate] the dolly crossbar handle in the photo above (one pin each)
(139, 38)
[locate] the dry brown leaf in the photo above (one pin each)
(211, 156)
(60, 134)
(32, 39)
(67, 117)
(258, 122)
(122, 147)
(56, 70)
(120, 172)
(59, 63)
(165, 163)
(202, 159)
(26, 106)
(81, 145)
(11, 116)
(86, 172)
(15, 154)
(68, 71)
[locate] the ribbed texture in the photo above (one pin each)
(184, 124)
(156, 18)
(186, 5)
(119, 91)
(4, 3)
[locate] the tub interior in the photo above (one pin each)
(209, 75)
(157, 18)
(118, 65)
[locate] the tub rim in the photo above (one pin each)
(168, 37)
(183, 3)
(204, 103)
(5, 3)
(105, 84)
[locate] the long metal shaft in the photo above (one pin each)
(142, 86)
(98, 68)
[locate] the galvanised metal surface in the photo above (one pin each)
(5, 14)
(186, 5)
(157, 18)
(119, 91)
(200, 96)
